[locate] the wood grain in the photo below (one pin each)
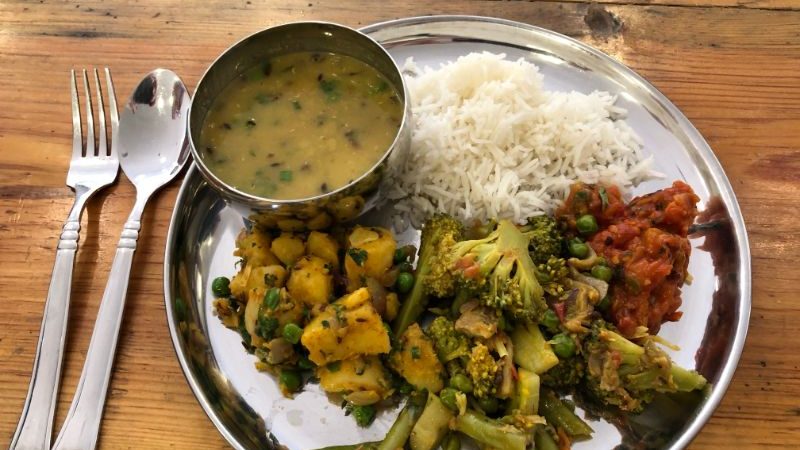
(732, 66)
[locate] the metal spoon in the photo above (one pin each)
(152, 150)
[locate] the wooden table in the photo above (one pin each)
(732, 66)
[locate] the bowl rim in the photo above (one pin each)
(264, 202)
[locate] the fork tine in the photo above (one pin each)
(112, 109)
(89, 118)
(77, 144)
(102, 147)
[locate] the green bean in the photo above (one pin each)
(398, 435)
(543, 441)
(559, 415)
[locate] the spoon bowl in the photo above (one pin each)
(152, 155)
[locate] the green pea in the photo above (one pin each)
(461, 382)
(586, 224)
(578, 249)
(400, 255)
(221, 287)
(489, 405)
(550, 320)
(448, 397)
(604, 304)
(404, 283)
(272, 297)
(292, 333)
(563, 345)
(290, 380)
(602, 272)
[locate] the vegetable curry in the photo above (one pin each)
(300, 125)
(645, 242)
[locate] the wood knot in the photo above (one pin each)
(601, 21)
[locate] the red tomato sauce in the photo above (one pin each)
(645, 243)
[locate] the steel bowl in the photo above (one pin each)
(342, 204)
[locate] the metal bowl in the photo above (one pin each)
(342, 204)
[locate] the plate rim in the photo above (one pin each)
(696, 139)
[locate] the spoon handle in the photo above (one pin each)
(82, 424)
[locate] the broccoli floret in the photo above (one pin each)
(566, 374)
(499, 270)
(449, 343)
(482, 369)
(552, 275)
(438, 235)
(626, 375)
(546, 239)
(363, 414)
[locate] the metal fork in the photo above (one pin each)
(90, 170)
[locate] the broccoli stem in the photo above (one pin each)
(559, 415)
(526, 393)
(461, 297)
(543, 441)
(398, 435)
(432, 425)
(687, 380)
(531, 350)
(491, 433)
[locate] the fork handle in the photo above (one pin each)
(82, 425)
(35, 426)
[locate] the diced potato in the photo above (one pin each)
(416, 360)
(324, 246)
(347, 208)
(364, 380)
(370, 254)
(260, 276)
(320, 221)
(254, 248)
(288, 248)
(239, 282)
(251, 318)
(311, 281)
(345, 329)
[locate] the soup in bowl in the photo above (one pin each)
(301, 121)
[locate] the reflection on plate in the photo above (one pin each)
(247, 406)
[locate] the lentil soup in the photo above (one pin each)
(300, 125)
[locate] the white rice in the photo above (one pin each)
(490, 142)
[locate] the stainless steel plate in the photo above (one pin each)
(246, 405)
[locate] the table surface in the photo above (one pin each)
(732, 66)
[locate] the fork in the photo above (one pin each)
(89, 171)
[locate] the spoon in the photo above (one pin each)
(152, 150)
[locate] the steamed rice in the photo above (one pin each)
(490, 142)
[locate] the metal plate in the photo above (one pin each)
(246, 405)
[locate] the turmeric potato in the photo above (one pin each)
(311, 281)
(288, 248)
(370, 254)
(239, 282)
(254, 248)
(266, 277)
(363, 379)
(323, 246)
(416, 360)
(345, 329)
